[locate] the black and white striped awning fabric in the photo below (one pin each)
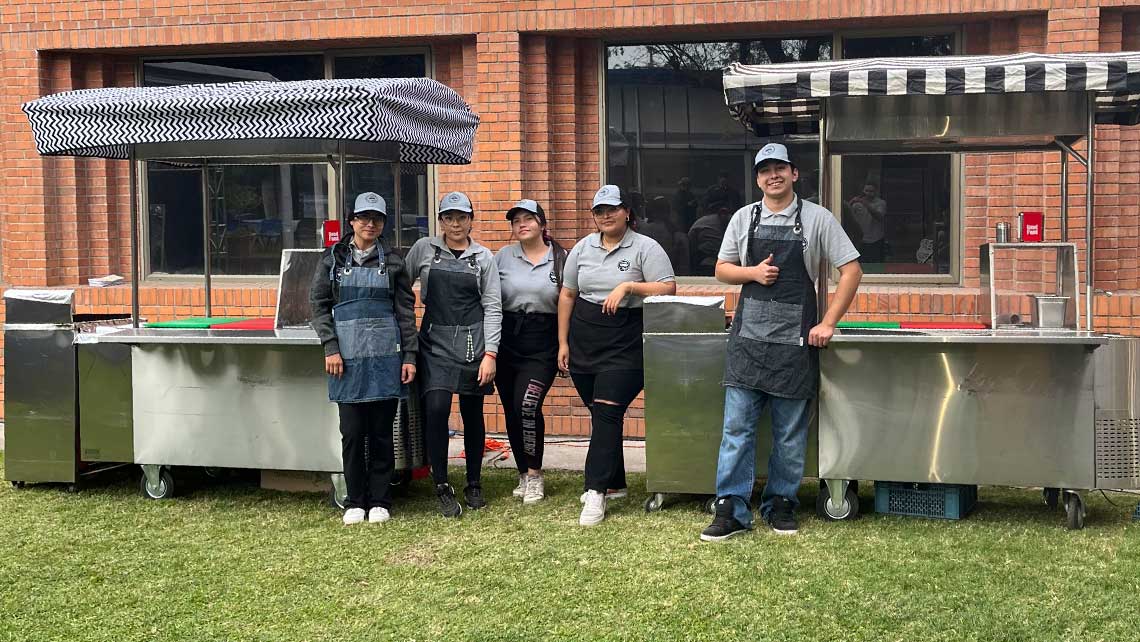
(429, 121)
(779, 99)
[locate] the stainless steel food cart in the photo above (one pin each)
(249, 399)
(1009, 405)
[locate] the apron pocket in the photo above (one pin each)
(460, 343)
(367, 337)
(771, 321)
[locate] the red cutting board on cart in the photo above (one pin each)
(941, 325)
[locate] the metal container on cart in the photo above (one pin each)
(50, 435)
(685, 341)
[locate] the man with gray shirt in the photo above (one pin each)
(773, 248)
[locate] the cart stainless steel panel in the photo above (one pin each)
(981, 413)
(684, 414)
(105, 417)
(233, 406)
(1118, 414)
(39, 404)
(684, 314)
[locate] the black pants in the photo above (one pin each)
(523, 385)
(437, 410)
(605, 460)
(366, 451)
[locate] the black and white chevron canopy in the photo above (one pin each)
(417, 119)
(784, 98)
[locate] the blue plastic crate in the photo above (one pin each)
(1136, 514)
(940, 501)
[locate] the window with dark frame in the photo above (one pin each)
(256, 211)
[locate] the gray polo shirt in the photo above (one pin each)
(823, 233)
(527, 287)
(594, 271)
(419, 260)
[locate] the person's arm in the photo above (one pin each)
(405, 303)
(763, 273)
(850, 275)
(321, 301)
(566, 300)
(492, 289)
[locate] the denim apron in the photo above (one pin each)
(451, 334)
(368, 334)
(767, 345)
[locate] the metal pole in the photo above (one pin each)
(1090, 191)
(133, 182)
(397, 233)
(341, 181)
(206, 234)
(1064, 217)
(824, 201)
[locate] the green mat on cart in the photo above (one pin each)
(196, 323)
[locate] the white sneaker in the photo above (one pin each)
(613, 493)
(594, 510)
(520, 490)
(378, 515)
(353, 516)
(535, 489)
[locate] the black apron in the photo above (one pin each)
(368, 335)
(767, 346)
(529, 337)
(451, 334)
(605, 342)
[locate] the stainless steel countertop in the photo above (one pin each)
(1068, 337)
(285, 336)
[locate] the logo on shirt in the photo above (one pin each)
(553, 277)
(623, 265)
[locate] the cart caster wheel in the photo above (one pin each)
(1074, 511)
(401, 479)
(213, 472)
(336, 500)
(1052, 497)
(827, 510)
(163, 490)
(18, 484)
(710, 505)
(654, 502)
(72, 489)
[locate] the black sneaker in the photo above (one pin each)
(447, 504)
(782, 518)
(474, 496)
(724, 525)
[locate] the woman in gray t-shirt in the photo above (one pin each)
(607, 275)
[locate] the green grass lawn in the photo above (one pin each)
(239, 563)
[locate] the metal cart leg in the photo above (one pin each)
(838, 500)
(339, 492)
(1074, 510)
(655, 502)
(1052, 496)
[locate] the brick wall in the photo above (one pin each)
(532, 72)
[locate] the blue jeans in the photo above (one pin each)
(736, 465)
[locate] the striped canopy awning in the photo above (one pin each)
(418, 119)
(784, 98)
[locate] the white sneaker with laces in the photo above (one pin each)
(535, 489)
(520, 490)
(353, 516)
(613, 493)
(378, 515)
(594, 510)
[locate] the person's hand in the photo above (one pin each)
(564, 358)
(486, 370)
(334, 365)
(613, 301)
(820, 335)
(765, 273)
(407, 373)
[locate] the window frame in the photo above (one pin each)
(328, 57)
(835, 178)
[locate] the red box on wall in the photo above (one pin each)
(1031, 227)
(332, 233)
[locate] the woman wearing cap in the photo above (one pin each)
(370, 352)
(607, 275)
(459, 340)
(530, 272)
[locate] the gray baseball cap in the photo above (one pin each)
(528, 205)
(608, 195)
(772, 152)
(456, 201)
(370, 202)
